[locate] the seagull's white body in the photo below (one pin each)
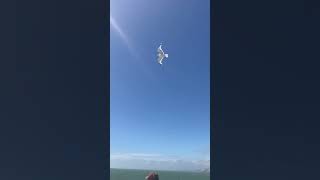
(161, 55)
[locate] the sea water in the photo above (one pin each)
(125, 174)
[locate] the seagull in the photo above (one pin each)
(161, 55)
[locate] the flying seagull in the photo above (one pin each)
(161, 55)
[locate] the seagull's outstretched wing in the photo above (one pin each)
(160, 50)
(161, 55)
(160, 58)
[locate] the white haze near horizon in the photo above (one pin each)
(156, 162)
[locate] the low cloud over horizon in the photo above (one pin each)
(156, 162)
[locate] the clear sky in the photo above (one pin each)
(160, 116)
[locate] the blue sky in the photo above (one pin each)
(160, 116)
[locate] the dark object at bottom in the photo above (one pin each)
(156, 177)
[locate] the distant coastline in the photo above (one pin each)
(205, 171)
